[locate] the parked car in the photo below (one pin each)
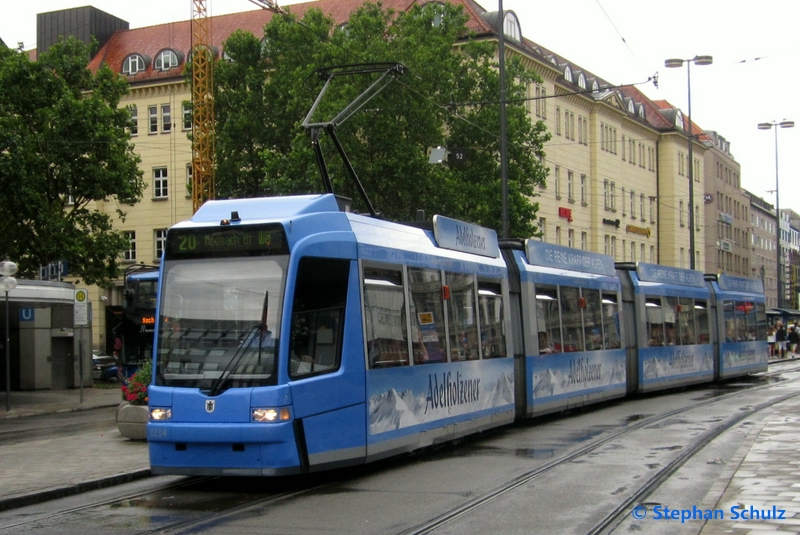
(104, 368)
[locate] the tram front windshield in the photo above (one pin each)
(219, 322)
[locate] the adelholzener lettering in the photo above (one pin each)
(467, 238)
(451, 392)
(583, 371)
(681, 360)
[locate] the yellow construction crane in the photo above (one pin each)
(203, 187)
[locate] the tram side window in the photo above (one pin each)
(611, 321)
(427, 316)
(592, 320)
(748, 323)
(670, 314)
(493, 336)
(571, 319)
(384, 313)
(548, 319)
(729, 308)
(463, 320)
(655, 320)
(318, 316)
(701, 315)
(761, 321)
(686, 324)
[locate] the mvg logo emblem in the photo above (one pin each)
(210, 405)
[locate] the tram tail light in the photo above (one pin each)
(160, 415)
(271, 415)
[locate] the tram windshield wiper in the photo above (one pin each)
(254, 359)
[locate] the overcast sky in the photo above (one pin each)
(754, 77)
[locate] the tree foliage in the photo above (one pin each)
(63, 146)
(449, 97)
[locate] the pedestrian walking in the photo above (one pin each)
(771, 341)
(781, 339)
(793, 339)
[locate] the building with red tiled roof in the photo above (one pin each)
(617, 185)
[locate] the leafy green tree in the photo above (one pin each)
(63, 146)
(449, 97)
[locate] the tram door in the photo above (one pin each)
(326, 378)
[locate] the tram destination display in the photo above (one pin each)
(230, 241)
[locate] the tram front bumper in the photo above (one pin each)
(223, 449)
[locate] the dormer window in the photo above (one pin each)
(679, 119)
(595, 86)
(631, 108)
(166, 59)
(568, 73)
(582, 81)
(640, 111)
(511, 26)
(133, 64)
(438, 13)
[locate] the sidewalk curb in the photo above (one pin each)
(72, 490)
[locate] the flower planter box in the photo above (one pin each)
(132, 420)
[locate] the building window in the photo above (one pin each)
(152, 112)
(680, 212)
(187, 117)
(641, 207)
(633, 252)
(613, 251)
(166, 118)
(652, 209)
(557, 176)
(159, 239)
(558, 235)
(583, 189)
(606, 244)
(613, 196)
(543, 229)
(160, 185)
(570, 187)
(584, 241)
(623, 148)
(558, 120)
(189, 179)
(641, 253)
(570, 238)
(652, 254)
(130, 253)
(134, 127)
(133, 64)
(606, 195)
(624, 212)
(541, 107)
(166, 60)
(633, 205)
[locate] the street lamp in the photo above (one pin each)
(672, 64)
(768, 126)
(8, 283)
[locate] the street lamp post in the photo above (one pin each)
(768, 126)
(8, 283)
(671, 64)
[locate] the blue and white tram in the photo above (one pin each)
(295, 337)
(740, 325)
(671, 343)
(571, 327)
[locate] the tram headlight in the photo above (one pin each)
(160, 414)
(271, 414)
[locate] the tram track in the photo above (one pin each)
(615, 517)
(241, 503)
